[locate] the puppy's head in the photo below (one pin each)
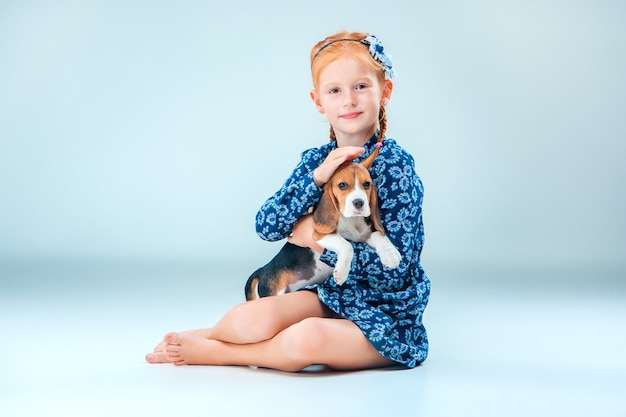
(352, 187)
(350, 192)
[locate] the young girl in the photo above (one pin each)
(375, 318)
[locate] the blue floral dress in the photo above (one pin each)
(386, 304)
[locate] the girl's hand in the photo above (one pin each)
(323, 173)
(302, 234)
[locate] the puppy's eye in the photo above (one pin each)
(367, 185)
(342, 186)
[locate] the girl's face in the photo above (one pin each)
(350, 95)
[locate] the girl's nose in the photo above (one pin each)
(350, 98)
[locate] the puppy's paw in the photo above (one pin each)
(341, 272)
(390, 256)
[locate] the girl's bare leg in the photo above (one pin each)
(337, 343)
(255, 321)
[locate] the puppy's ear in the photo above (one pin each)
(326, 214)
(374, 216)
(367, 162)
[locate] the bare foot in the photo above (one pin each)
(189, 348)
(159, 355)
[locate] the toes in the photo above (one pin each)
(179, 362)
(157, 357)
(172, 350)
(172, 339)
(174, 357)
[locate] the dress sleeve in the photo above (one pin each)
(277, 216)
(400, 195)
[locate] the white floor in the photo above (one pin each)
(503, 343)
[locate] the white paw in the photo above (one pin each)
(390, 257)
(341, 272)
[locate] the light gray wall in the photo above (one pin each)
(155, 130)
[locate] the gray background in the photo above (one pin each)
(155, 130)
(139, 138)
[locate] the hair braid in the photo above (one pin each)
(382, 123)
(382, 120)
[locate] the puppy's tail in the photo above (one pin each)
(252, 286)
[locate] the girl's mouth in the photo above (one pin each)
(350, 116)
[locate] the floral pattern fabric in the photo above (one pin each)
(386, 304)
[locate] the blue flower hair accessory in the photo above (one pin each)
(377, 50)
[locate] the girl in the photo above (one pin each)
(375, 318)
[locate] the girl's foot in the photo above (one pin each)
(159, 355)
(189, 349)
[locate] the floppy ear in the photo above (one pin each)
(367, 162)
(374, 216)
(326, 214)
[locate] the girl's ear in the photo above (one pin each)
(386, 95)
(316, 100)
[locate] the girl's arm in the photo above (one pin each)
(277, 216)
(303, 234)
(302, 190)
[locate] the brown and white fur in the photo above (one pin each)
(347, 211)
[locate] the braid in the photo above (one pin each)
(382, 124)
(382, 121)
(332, 134)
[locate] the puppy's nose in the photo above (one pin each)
(358, 203)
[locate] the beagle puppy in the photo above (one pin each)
(348, 210)
(292, 268)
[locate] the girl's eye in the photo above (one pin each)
(361, 86)
(333, 91)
